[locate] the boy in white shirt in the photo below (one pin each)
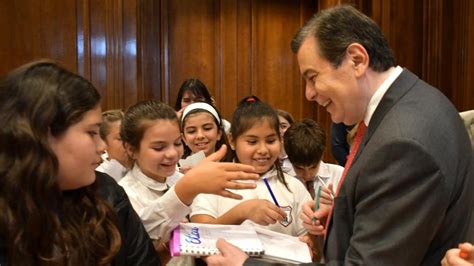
(305, 142)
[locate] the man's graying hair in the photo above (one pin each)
(336, 28)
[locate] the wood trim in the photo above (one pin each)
(83, 38)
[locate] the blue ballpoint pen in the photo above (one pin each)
(271, 192)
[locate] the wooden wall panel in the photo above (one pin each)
(464, 92)
(112, 32)
(192, 41)
(276, 78)
(235, 62)
(401, 22)
(149, 46)
(140, 49)
(32, 30)
(456, 69)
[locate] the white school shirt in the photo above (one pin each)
(156, 203)
(330, 174)
(287, 167)
(216, 206)
(113, 168)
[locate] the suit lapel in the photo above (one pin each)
(397, 90)
(399, 87)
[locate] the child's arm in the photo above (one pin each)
(259, 211)
(212, 177)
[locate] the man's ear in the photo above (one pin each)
(359, 58)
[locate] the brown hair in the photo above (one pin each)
(338, 27)
(228, 157)
(137, 116)
(41, 224)
(305, 142)
(108, 117)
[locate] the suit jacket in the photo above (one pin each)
(405, 200)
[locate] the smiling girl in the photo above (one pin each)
(257, 142)
(151, 134)
(201, 128)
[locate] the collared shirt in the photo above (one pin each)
(330, 174)
(380, 92)
(156, 203)
(286, 166)
(113, 168)
(215, 206)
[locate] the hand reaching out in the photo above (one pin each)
(213, 177)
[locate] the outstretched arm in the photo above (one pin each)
(213, 177)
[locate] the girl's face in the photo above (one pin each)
(115, 147)
(160, 149)
(189, 98)
(78, 151)
(201, 133)
(284, 125)
(259, 146)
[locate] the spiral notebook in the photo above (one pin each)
(200, 239)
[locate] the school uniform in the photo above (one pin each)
(330, 174)
(286, 166)
(156, 203)
(113, 168)
(292, 202)
(158, 206)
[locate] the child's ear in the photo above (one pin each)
(219, 134)
(183, 139)
(231, 141)
(130, 150)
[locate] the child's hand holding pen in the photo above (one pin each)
(327, 197)
(316, 226)
(327, 192)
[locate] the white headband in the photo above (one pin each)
(203, 106)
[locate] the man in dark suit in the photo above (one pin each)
(405, 197)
